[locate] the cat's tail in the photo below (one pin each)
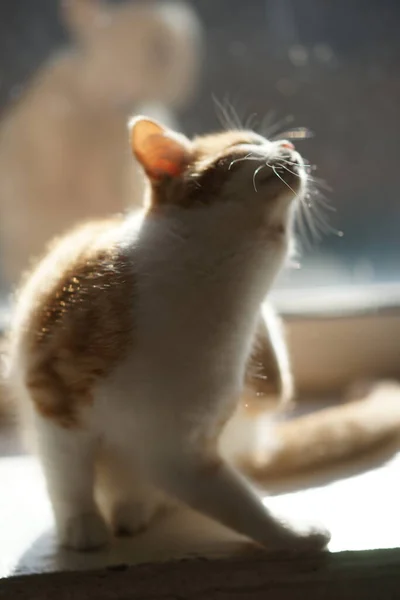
(327, 435)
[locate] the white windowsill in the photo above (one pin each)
(345, 505)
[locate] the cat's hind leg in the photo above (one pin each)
(128, 501)
(68, 459)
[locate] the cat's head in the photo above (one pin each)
(233, 183)
(136, 52)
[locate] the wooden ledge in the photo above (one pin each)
(345, 575)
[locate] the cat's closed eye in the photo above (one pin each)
(246, 143)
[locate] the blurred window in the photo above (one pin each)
(330, 66)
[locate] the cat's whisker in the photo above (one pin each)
(310, 234)
(281, 178)
(290, 171)
(273, 130)
(251, 121)
(313, 211)
(255, 175)
(234, 115)
(223, 115)
(293, 162)
(312, 222)
(321, 183)
(227, 114)
(310, 214)
(317, 220)
(306, 231)
(323, 224)
(322, 200)
(319, 204)
(242, 158)
(302, 226)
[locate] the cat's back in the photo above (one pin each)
(72, 320)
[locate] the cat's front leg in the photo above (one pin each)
(67, 457)
(214, 488)
(268, 378)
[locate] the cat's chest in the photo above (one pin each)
(136, 404)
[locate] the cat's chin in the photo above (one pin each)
(285, 170)
(280, 184)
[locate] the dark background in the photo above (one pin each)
(332, 64)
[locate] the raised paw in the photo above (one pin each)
(83, 532)
(130, 518)
(299, 537)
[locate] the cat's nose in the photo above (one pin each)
(286, 144)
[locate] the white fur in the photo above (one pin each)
(200, 278)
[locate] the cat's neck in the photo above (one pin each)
(199, 292)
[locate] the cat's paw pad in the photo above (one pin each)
(130, 518)
(84, 532)
(300, 537)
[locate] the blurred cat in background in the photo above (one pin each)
(63, 155)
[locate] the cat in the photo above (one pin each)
(62, 152)
(132, 339)
(365, 422)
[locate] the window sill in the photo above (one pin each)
(332, 495)
(336, 302)
(348, 576)
(339, 336)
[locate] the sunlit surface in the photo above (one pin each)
(361, 511)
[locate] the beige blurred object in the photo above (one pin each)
(63, 151)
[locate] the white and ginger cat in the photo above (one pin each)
(132, 340)
(63, 157)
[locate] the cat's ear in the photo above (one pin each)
(82, 17)
(161, 151)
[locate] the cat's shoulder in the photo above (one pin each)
(87, 274)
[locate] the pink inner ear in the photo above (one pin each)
(164, 156)
(160, 151)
